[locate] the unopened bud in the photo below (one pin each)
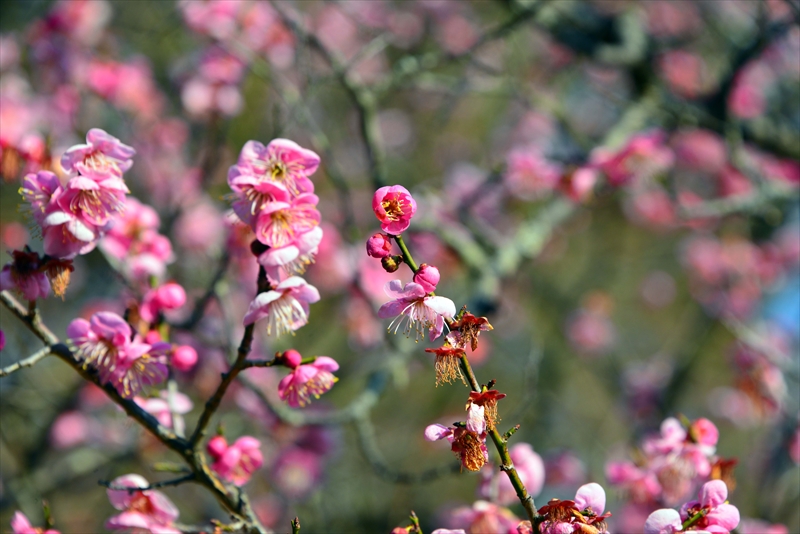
(184, 357)
(217, 446)
(170, 296)
(292, 358)
(379, 245)
(427, 276)
(391, 263)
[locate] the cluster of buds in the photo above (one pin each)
(272, 193)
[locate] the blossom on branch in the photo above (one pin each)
(102, 156)
(26, 275)
(142, 510)
(20, 524)
(467, 440)
(420, 311)
(394, 206)
(583, 515)
(307, 380)
(710, 513)
(286, 307)
(282, 162)
(235, 463)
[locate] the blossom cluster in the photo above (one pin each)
(709, 513)
(274, 196)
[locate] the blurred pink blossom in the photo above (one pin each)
(21, 525)
(148, 509)
(297, 472)
(529, 175)
(235, 463)
(531, 471)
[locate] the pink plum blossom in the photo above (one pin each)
(101, 156)
(235, 463)
(105, 343)
(282, 162)
(297, 472)
(579, 184)
(529, 175)
(716, 515)
(584, 514)
(37, 190)
(26, 275)
(278, 224)
(306, 380)
(420, 311)
(148, 510)
(160, 407)
(482, 516)
(293, 258)
(286, 307)
(394, 207)
(467, 440)
(21, 525)
(65, 235)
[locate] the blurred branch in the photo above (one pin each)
(200, 305)
(369, 447)
(30, 361)
(765, 196)
(363, 98)
(155, 485)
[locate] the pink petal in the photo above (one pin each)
(326, 364)
(664, 521)
(725, 515)
(593, 495)
(437, 432)
(713, 493)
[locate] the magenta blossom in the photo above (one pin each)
(278, 224)
(93, 201)
(282, 161)
(20, 524)
(142, 510)
(286, 307)
(315, 378)
(420, 311)
(26, 275)
(65, 235)
(711, 513)
(105, 343)
(101, 156)
(394, 206)
(251, 194)
(37, 190)
(235, 463)
(293, 258)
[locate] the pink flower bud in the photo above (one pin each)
(171, 296)
(217, 446)
(379, 245)
(184, 358)
(427, 276)
(152, 337)
(292, 358)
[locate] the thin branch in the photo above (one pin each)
(30, 361)
(202, 302)
(764, 196)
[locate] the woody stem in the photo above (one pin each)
(500, 444)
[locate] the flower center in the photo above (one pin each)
(393, 208)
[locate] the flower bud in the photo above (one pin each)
(184, 357)
(152, 337)
(427, 276)
(292, 358)
(170, 296)
(391, 263)
(217, 446)
(379, 245)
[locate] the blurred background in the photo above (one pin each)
(613, 184)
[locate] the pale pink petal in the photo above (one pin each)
(713, 493)
(437, 432)
(591, 495)
(664, 521)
